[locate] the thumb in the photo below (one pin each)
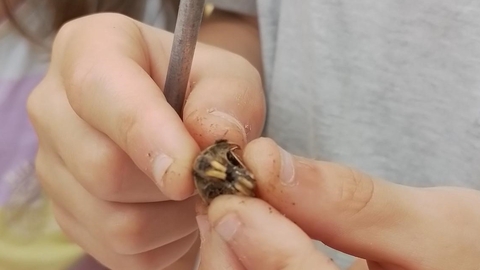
(262, 238)
(226, 100)
(367, 217)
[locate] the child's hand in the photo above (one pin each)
(113, 155)
(391, 226)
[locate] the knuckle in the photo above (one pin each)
(85, 23)
(125, 230)
(357, 192)
(86, 73)
(80, 77)
(65, 31)
(44, 102)
(34, 106)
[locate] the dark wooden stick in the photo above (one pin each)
(185, 38)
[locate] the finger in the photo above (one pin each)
(364, 216)
(359, 264)
(214, 252)
(110, 87)
(189, 261)
(262, 238)
(126, 228)
(158, 258)
(226, 100)
(99, 165)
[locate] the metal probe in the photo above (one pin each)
(184, 40)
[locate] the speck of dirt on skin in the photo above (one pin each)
(191, 85)
(149, 154)
(248, 129)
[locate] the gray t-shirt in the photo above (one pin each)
(391, 87)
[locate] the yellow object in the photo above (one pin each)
(30, 238)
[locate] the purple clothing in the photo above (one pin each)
(22, 66)
(18, 142)
(18, 146)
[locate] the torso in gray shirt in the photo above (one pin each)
(391, 87)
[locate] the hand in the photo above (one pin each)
(392, 226)
(113, 156)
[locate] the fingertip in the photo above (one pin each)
(261, 144)
(260, 154)
(223, 205)
(260, 236)
(251, 212)
(226, 105)
(208, 125)
(177, 182)
(214, 251)
(263, 158)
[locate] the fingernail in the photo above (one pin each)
(203, 227)
(228, 226)
(287, 170)
(231, 122)
(160, 167)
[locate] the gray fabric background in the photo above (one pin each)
(391, 87)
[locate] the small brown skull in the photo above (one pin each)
(218, 170)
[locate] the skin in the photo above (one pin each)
(104, 129)
(393, 227)
(102, 123)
